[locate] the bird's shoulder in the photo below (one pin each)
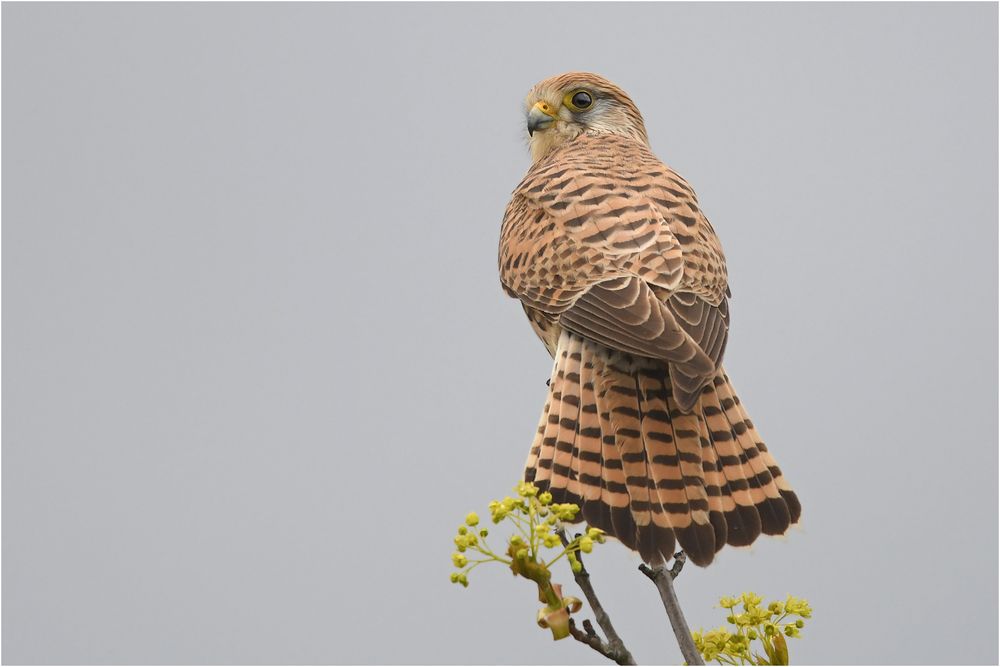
(610, 194)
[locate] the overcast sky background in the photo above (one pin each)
(257, 362)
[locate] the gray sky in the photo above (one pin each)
(257, 362)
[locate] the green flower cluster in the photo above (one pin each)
(536, 520)
(769, 625)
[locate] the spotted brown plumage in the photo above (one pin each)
(624, 280)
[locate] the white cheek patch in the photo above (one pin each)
(603, 116)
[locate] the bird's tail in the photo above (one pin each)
(612, 440)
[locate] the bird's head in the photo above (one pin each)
(562, 108)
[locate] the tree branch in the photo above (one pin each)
(591, 639)
(664, 580)
(614, 648)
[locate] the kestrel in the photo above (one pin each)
(624, 280)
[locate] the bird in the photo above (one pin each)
(624, 280)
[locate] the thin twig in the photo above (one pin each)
(664, 580)
(679, 559)
(589, 637)
(614, 648)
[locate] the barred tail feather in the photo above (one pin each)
(713, 485)
(697, 537)
(613, 440)
(742, 518)
(587, 452)
(614, 489)
(772, 510)
(565, 423)
(667, 493)
(776, 516)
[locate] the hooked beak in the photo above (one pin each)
(541, 116)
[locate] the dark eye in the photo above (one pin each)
(580, 100)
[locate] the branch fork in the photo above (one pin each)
(614, 648)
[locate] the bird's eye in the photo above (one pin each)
(579, 100)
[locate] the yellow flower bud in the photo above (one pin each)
(574, 562)
(798, 606)
(526, 489)
(472, 518)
